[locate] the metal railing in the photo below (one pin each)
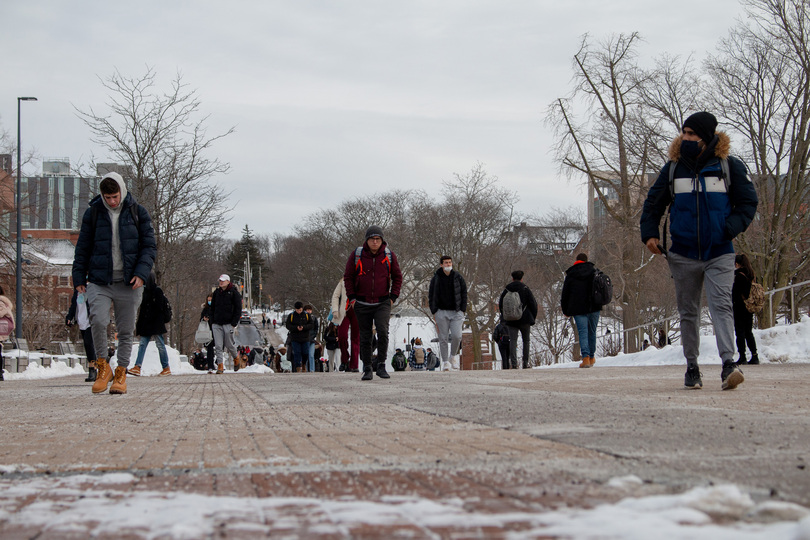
(794, 312)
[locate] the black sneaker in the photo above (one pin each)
(732, 376)
(754, 360)
(367, 375)
(342, 367)
(381, 373)
(692, 379)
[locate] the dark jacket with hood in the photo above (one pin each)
(739, 293)
(95, 259)
(451, 287)
(577, 297)
(226, 306)
(153, 312)
(293, 321)
(528, 301)
(704, 218)
(374, 278)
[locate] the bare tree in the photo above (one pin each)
(161, 139)
(609, 148)
(761, 86)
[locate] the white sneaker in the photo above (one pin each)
(455, 362)
(445, 366)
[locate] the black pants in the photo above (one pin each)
(209, 351)
(513, 335)
(504, 348)
(89, 349)
(370, 317)
(743, 325)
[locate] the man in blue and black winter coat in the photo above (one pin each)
(707, 211)
(114, 256)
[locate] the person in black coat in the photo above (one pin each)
(500, 335)
(298, 324)
(526, 320)
(226, 310)
(155, 312)
(577, 302)
(209, 347)
(743, 319)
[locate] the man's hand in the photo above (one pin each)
(136, 282)
(652, 245)
(82, 289)
(300, 328)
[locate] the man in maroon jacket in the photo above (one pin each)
(373, 281)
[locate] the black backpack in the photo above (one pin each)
(167, 310)
(602, 289)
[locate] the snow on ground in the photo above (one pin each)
(74, 504)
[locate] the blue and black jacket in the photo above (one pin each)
(705, 216)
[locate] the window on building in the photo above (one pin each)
(64, 281)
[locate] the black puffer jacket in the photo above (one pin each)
(528, 301)
(740, 291)
(226, 306)
(93, 258)
(436, 290)
(153, 312)
(577, 290)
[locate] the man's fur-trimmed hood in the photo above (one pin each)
(722, 150)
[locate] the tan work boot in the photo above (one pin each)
(119, 385)
(592, 361)
(135, 371)
(586, 362)
(220, 369)
(103, 376)
(166, 371)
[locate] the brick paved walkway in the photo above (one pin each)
(467, 440)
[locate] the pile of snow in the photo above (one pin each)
(68, 505)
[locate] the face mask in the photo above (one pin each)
(690, 149)
(447, 269)
(209, 302)
(80, 298)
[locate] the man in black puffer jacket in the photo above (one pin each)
(526, 320)
(226, 310)
(114, 256)
(577, 302)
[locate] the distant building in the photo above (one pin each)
(541, 240)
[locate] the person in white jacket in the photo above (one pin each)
(346, 322)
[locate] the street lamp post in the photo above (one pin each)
(19, 312)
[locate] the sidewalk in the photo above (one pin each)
(493, 443)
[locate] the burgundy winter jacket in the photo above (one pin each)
(374, 278)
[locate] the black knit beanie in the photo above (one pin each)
(374, 230)
(703, 124)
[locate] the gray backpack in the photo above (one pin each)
(512, 306)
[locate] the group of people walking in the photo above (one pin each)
(706, 192)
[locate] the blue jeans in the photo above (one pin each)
(312, 357)
(161, 347)
(299, 349)
(586, 327)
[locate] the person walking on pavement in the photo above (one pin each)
(577, 302)
(447, 296)
(298, 325)
(519, 309)
(205, 315)
(79, 314)
(330, 338)
(500, 335)
(114, 255)
(226, 310)
(313, 339)
(155, 312)
(712, 201)
(344, 318)
(373, 282)
(743, 319)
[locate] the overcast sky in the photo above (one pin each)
(336, 99)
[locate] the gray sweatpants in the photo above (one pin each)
(690, 275)
(223, 338)
(448, 326)
(125, 302)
